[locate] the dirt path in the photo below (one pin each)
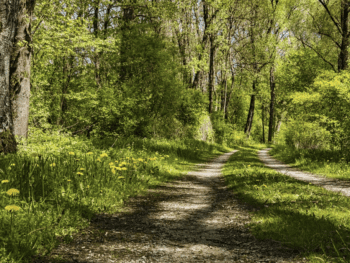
(194, 219)
(327, 183)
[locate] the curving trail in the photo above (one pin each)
(193, 219)
(330, 184)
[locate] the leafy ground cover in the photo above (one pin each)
(56, 183)
(332, 164)
(304, 217)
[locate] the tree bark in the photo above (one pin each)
(20, 69)
(263, 122)
(211, 73)
(272, 104)
(8, 23)
(249, 123)
(344, 20)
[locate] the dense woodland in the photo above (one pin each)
(163, 68)
(160, 80)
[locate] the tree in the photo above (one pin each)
(9, 13)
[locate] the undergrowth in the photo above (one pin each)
(55, 184)
(302, 216)
(332, 164)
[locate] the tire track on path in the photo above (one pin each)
(193, 219)
(340, 186)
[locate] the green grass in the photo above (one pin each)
(64, 181)
(302, 216)
(332, 164)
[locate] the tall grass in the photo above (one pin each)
(61, 182)
(302, 216)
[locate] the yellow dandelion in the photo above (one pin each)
(127, 158)
(116, 161)
(98, 159)
(140, 159)
(124, 169)
(13, 164)
(90, 153)
(113, 171)
(82, 169)
(53, 165)
(12, 191)
(79, 173)
(71, 153)
(104, 155)
(121, 177)
(111, 163)
(12, 208)
(69, 180)
(118, 168)
(4, 181)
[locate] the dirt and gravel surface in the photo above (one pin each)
(193, 219)
(330, 184)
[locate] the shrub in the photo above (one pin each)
(307, 135)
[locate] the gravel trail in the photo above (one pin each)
(193, 219)
(330, 184)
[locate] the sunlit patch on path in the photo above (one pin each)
(194, 219)
(327, 183)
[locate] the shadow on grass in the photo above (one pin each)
(173, 218)
(300, 215)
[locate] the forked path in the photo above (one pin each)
(193, 219)
(327, 183)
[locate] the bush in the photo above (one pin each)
(307, 135)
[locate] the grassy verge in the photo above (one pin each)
(300, 215)
(55, 184)
(332, 164)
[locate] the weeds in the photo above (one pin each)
(300, 215)
(54, 185)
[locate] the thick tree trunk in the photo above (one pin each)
(20, 70)
(272, 104)
(249, 123)
(8, 23)
(344, 54)
(211, 74)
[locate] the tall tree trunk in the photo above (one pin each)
(8, 23)
(97, 55)
(20, 69)
(272, 103)
(263, 122)
(211, 73)
(344, 54)
(249, 123)
(228, 98)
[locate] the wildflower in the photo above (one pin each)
(113, 171)
(176, 159)
(53, 165)
(69, 180)
(13, 164)
(12, 191)
(104, 155)
(71, 153)
(265, 186)
(127, 158)
(79, 173)
(166, 156)
(111, 163)
(124, 168)
(118, 168)
(4, 181)
(121, 177)
(90, 153)
(140, 159)
(88, 187)
(12, 208)
(116, 161)
(82, 169)
(98, 159)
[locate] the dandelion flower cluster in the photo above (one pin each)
(12, 191)
(104, 155)
(80, 173)
(53, 165)
(12, 208)
(4, 181)
(71, 153)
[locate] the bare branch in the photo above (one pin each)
(330, 15)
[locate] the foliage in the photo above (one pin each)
(61, 189)
(305, 135)
(299, 215)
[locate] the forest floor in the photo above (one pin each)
(193, 219)
(330, 184)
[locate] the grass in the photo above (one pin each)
(332, 164)
(302, 216)
(61, 182)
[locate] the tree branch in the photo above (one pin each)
(331, 16)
